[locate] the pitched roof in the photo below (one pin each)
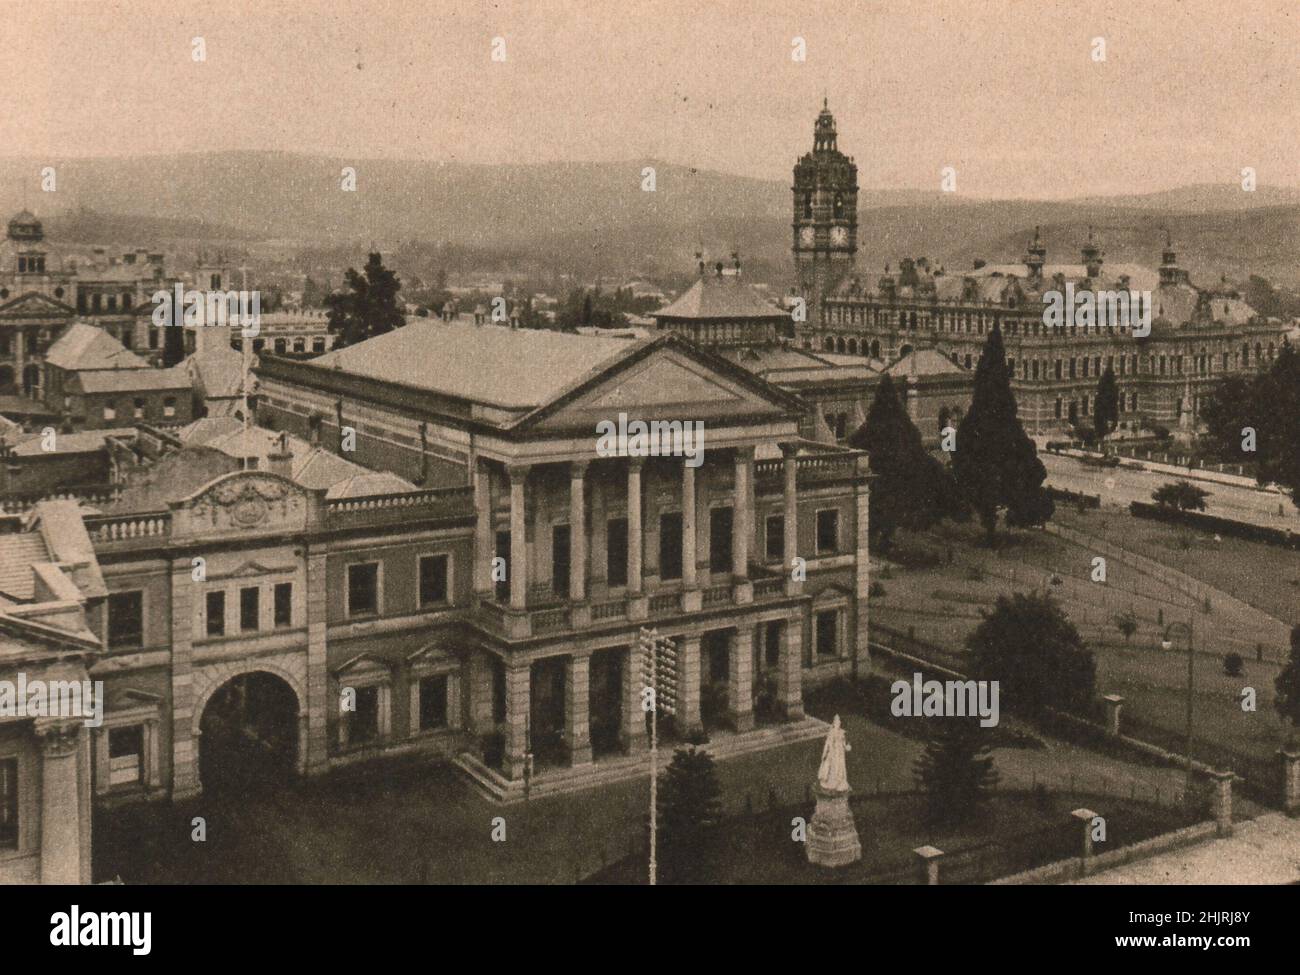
(311, 467)
(925, 362)
(484, 363)
(18, 553)
(719, 296)
(84, 346)
(132, 380)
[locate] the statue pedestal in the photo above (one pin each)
(832, 834)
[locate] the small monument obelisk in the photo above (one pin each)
(832, 834)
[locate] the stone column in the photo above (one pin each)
(862, 568)
(577, 708)
(483, 530)
(318, 693)
(185, 744)
(1289, 756)
(740, 677)
(1114, 706)
(929, 858)
(518, 702)
(1085, 817)
(637, 608)
(1221, 801)
(61, 827)
(790, 544)
(479, 681)
(690, 577)
(688, 683)
(19, 341)
(518, 568)
(742, 524)
(789, 674)
(577, 532)
(633, 732)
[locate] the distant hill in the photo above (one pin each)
(595, 216)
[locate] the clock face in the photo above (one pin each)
(839, 236)
(806, 236)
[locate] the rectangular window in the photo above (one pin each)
(318, 345)
(138, 409)
(560, 560)
(828, 633)
(126, 619)
(670, 545)
(503, 553)
(720, 528)
(616, 551)
(363, 723)
(433, 702)
(774, 538)
(433, 579)
(125, 753)
(249, 606)
(828, 531)
(110, 411)
(8, 803)
(363, 589)
(284, 604)
(169, 407)
(215, 624)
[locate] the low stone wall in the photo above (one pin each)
(1064, 871)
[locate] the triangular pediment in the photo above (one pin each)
(671, 381)
(363, 665)
(33, 304)
(252, 569)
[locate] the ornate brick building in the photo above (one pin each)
(1197, 335)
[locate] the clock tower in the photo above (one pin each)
(825, 215)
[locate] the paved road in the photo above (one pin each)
(1119, 486)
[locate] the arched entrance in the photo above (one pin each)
(249, 734)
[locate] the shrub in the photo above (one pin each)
(876, 589)
(1232, 664)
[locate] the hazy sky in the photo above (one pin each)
(1006, 92)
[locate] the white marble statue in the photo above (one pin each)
(833, 776)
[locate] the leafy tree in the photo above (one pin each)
(1269, 404)
(1127, 623)
(689, 813)
(367, 306)
(1278, 404)
(1105, 411)
(996, 465)
(1287, 685)
(1036, 654)
(1183, 495)
(955, 770)
(1226, 410)
(911, 488)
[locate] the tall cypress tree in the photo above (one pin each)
(1105, 411)
(911, 488)
(996, 464)
(367, 306)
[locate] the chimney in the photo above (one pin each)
(279, 460)
(735, 260)
(699, 259)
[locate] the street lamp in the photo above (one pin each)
(659, 690)
(1167, 644)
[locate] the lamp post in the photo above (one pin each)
(659, 690)
(1167, 644)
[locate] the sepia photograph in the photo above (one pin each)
(580, 443)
